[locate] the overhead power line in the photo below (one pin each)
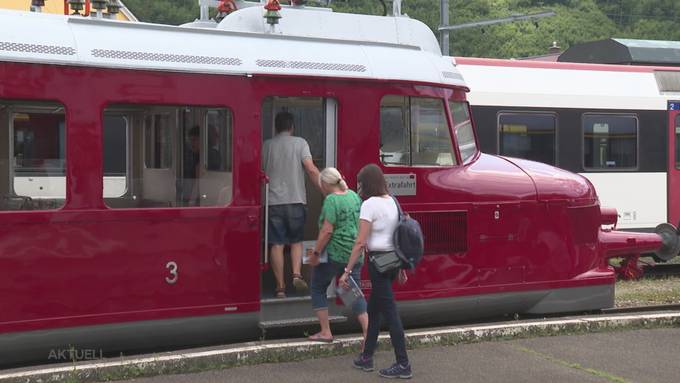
(503, 20)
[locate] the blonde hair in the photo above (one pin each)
(331, 176)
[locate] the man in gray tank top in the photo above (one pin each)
(286, 159)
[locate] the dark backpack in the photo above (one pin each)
(408, 240)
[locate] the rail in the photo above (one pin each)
(661, 271)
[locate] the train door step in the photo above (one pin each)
(298, 322)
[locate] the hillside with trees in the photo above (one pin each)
(576, 21)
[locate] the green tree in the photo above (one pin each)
(577, 21)
(173, 12)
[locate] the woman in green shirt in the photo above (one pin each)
(338, 229)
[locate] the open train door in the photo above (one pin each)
(674, 162)
(315, 121)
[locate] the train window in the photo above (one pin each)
(33, 173)
(609, 141)
(430, 136)
(528, 135)
(158, 157)
(677, 142)
(465, 136)
(414, 131)
(115, 133)
(395, 144)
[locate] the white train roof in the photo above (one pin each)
(307, 42)
(562, 85)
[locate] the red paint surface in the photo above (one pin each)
(87, 264)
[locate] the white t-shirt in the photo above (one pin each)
(383, 215)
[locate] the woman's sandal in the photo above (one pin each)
(299, 283)
(281, 292)
(318, 338)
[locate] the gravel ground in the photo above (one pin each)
(648, 292)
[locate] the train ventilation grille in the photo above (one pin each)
(444, 231)
(165, 57)
(37, 48)
(310, 65)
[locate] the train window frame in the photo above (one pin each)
(13, 108)
(408, 117)
(637, 143)
(556, 141)
(136, 165)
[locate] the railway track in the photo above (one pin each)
(641, 309)
(661, 271)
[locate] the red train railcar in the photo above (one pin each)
(107, 241)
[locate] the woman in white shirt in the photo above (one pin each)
(377, 221)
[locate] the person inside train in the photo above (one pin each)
(338, 228)
(378, 219)
(286, 159)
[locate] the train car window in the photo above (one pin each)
(157, 157)
(430, 136)
(528, 135)
(395, 142)
(414, 131)
(115, 131)
(610, 141)
(33, 171)
(677, 142)
(465, 136)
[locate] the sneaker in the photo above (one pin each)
(363, 363)
(397, 371)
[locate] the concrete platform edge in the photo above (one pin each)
(286, 351)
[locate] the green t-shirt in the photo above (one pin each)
(341, 211)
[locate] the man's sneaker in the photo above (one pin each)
(363, 363)
(397, 371)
